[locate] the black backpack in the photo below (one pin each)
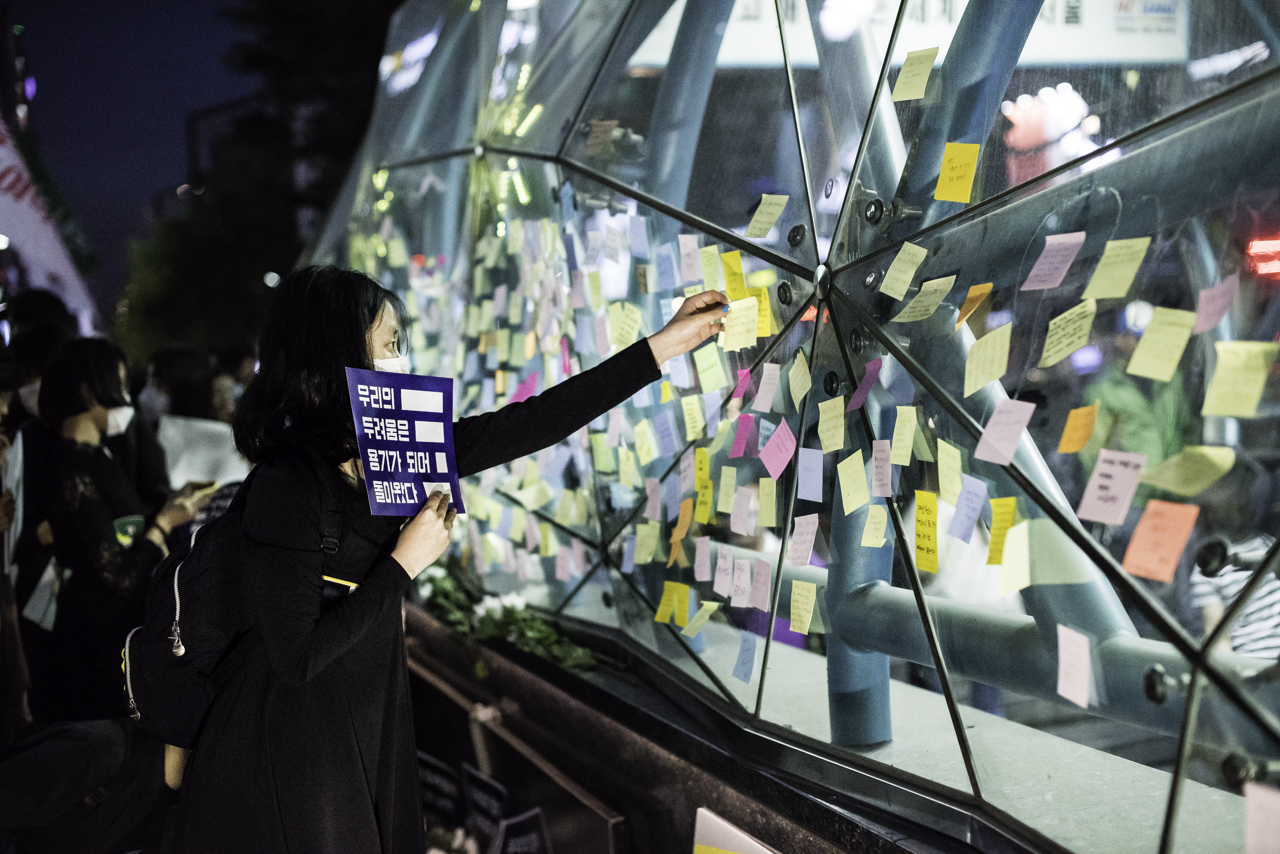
(195, 621)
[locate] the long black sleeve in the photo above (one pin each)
(518, 429)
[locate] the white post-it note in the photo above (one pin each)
(988, 359)
(702, 559)
(740, 520)
(1115, 271)
(1261, 819)
(801, 546)
(873, 529)
(831, 424)
(799, 379)
(690, 259)
(1239, 378)
(881, 469)
(903, 270)
(1075, 666)
(904, 436)
(1068, 332)
(853, 482)
(1015, 563)
(925, 303)
(804, 595)
(769, 376)
(761, 584)
(1160, 348)
(1000, 438)
(1111, 487)
(809, 487)
(969, 506)
(1051, 267)
(741, 584)
(724, 572)
(1212, 303)
(914, 76)
(766, 215)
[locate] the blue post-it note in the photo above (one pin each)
(973, 498)
(668, 275)
(746, 657)
(629, 554)
(711, 401)
(810, 477)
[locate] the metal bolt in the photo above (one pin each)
(831, 185)
(796, 235)
(784, 293)
(873, 211)
(831, 383)
(607, 598)
(869, 281)
(855, 341)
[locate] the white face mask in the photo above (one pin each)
(29, 394)
(398, 365)
(118, 419)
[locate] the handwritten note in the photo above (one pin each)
(1075, 667)
(1003, 511)
(741, 434)
(741, 597)
(809, 475)
(804, 595)
(881, 469)
(1160, 348)
(735, 285)
(745, 665)
(1078, 429)
(710, 369)
(1060, 250)
(1111, 487)
(1158, 540)
(926, 531)
(868, 381)
(853, 482)
(700, 619)
(799, 379)
(976, 295)
(761, 584)
(1213, 303)
(1015, 568)
(904, 435)
(1000, 437)
(914, 76)
(969, 506)
(741, 325)
(767, 213)
(903, 269)
(702, 511)
(801, 546)
(740, 520)
(1068, 332)
(624, 324)
(1114, 274)
(926, 302)
(667, 605)
(1191, 471)
(702, 559)
(724, 572)
(768, 502)
(955, 178)
(874, 527)
(988, 359)
(831, 424)
(769, 375)
(728, 488)
(1239, 378)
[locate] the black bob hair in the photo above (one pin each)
(78, 373)
(316, 327)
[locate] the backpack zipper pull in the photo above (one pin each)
(135, 714)
(178, 649)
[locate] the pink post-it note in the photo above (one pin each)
(881, 469)
(563, 556)
(740, 437)
(1214, 302)
(653, 503)
(740, 520)
(801, 546)
(603, 345)
(973, 498)
(564, 357)
(868, 382)
(724, 572)
(702, 559)
(1075, 667)
(777, 452)
(1000, 438)
(741, 597)
(1051, 267)
(1111, 487)
(526, 389)
(744, 380)
(761, 578)
(1158, 540)
(690, 260)
(1261, 819)
(810, 474)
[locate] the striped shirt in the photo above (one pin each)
(1256, 630)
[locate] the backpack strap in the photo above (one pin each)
(330, 516)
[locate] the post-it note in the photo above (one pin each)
(700, 619)
(976, 295)
(969, 506)
(804, 595)
(735, 285)
(873, 529)
(741, 325)
(1003, 511)
(1261, 818)
(904, 436)
(1000, 437)
(709, 258)
(809, 475)
(988, 359)
(778, 450)
(1015, 567)
(1111, 487)
(646, 541)
(853, 482)
(950, 481)
(710, 369)
(668, 604)
(768, 502)
(1160, 348)
(868, 381)
(702, 511)
(955, 178)
(1078, 429)
(831, 424)
(702, 559)
(881, 469)
(742, 432)
(682, 524)
(1212, 303)
(1068, 332)
(728, 488)
(926, 531)
(1239, 378)
(914, 76)
(761, 584)
(769, 375)
(745, 665)
(1116, 268)
(744, 380)
(767, 213)
(741, 597)
(740, 521)
(1075, 667)
(799, 379)
(690, 259)
(624, 324)
(926, 302)
(724, 572)
(903, 269)
(1159, 539)
(1051, 267)
(1192, 470)
(801, 546)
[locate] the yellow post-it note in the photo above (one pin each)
(904, 436)
(873, 529)
(646, 541)
(734, 285)
(955, 179)
(594, 296)
(1003, 511)
(831, 424)
(628, 474)
(988, 359)
(1191, 471)
(1015, 566)
(931, 295)
(547, 544)
(694, 424)
(701, 466)
(804, 595)
(764, 312)
(624, 324)
(1116, 268)
(728, 488)
(1239, 378)
(682, 524)
(767, 213)
(976, 295)
(602, 454)
(710, 370)
(1160, 348)
(667, 606)
(799, 379)
(742, 324)
(1079, 427)
(666, 392)
(700, 619)
(768, 502)
(710, 258)
(914, 76)
(646, 442)
(853, 482)
(903, 269)
(706, 491)
(1068, 332)
(926, 531)
(950, 475)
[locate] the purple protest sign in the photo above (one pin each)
(404, 429)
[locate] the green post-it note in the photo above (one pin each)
(914, 76)
(1068, 332)
(988, 359)
(1160, 348)
(931, 295)
(903, 269)
(1115, 271)
(710, 368)
(1192, 471)
(1239, 378)
(904, 436)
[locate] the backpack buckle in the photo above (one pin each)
(329, 545)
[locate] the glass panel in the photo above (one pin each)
(692, 107)
(1082, 78)
(596, 599)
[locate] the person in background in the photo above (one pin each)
(236, 367)
(15, 682)
(197, 447)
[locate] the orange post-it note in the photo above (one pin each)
(686, 516)
(977, 294)
(955, 180)
(1159, 539)
(1078, 430)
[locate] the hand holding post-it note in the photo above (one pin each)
(926, 302)
(1068, 332)
(988, 359)
(1111, 487)
(1078, 430)
(1060, 250)
(904, 436)
(914, 76)
(1239, 378)
(1003, 511)
(873, 529)
(926, 531)
(1004, 429)
(741, 325)
(1160, 348)
(955, 177)
(1159, 539)
(831, 424)
(853, 482)
(903, 269)
(1192, 470)
(976, 295)
(767, 213)
(1115, 271)
(1212, 303)
(804, 595)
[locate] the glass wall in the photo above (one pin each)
(1001, 456)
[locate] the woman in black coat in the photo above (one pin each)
(309, 745)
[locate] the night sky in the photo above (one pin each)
(116, 79)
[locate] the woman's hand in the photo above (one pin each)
(184, 505)
(426, 536)
(700, 316)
